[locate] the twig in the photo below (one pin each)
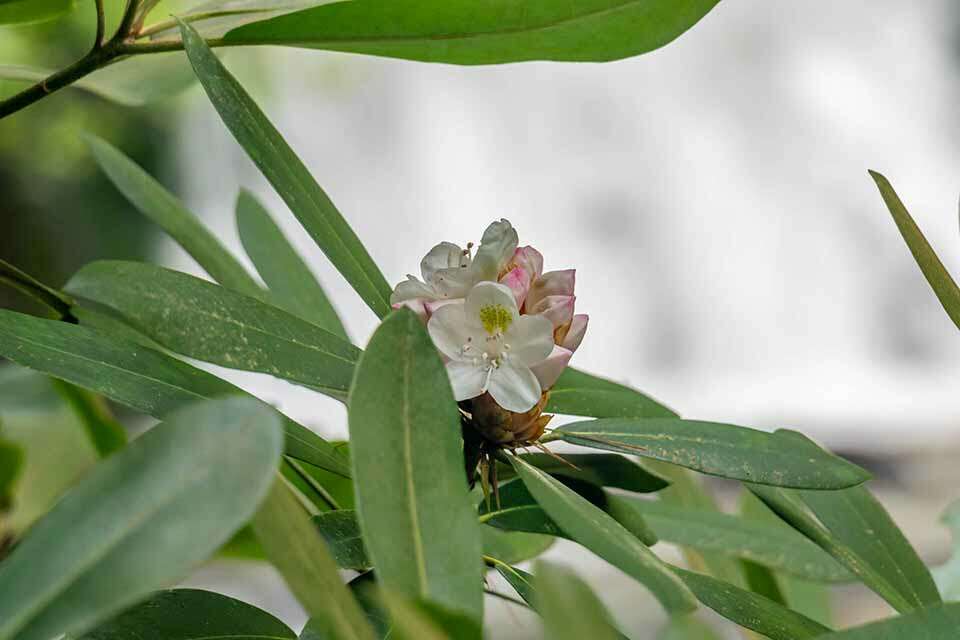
(101, 25)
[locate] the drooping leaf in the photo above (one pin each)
(719, 449)
(497, 31)
(135, 376)
(853, 527)
(578, 393)
(202, 320)
(105, 433)
(292, 284)
(771, 545)
(192, 614)
(604, 536)
(284, 170)
(27, 11)
(751, 610)
(415, 513)
(933, 270)
(163, 208)
(521, 581)
(568, 607)
(601, 469)
(687, 627)
(141, 519)
(295, 547)
(936, 622)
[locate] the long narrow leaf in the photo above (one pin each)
(569, 608)
(141, 519)
(578, 393)
(936, 622)
(284, 170)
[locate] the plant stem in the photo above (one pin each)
(166, 25)
(101, 25)
(89, 63)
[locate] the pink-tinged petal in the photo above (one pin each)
(552, 283)
(514, 387)
(417, 305)
(467, 380)
(557, 309)
(448, 330)
(530, 259)
(519, 282)
(431, 306)
(550, 369)
(578, 327)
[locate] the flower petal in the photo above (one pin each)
(466, 379)
(575, 333)
(417, 305)
(557, 309)
(487, 294)
(410, 289)
(448, 330)
(514, 387)
(550, 369)
(496, 248)
(519, 282)
(530, 339)
(442, 256)
(552, 283)
(530, 259)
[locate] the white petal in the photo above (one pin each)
(530, 339)
(442, 256)
(466, 380)
(454, 282)
(550, 369)
(448, 330)
(410, 289)
(496, 248)
(515, 388)
(486, 294)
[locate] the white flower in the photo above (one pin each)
(491, 347)
(449, 272)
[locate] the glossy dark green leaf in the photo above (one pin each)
(292, 284)
(751, 610)
(719, 449)
(415, 513)
(578, 393)
(166, 210)
(135, 376)
(105, 433)
(284, 170)
(568, 607)
(513, 546)
(141, 519)
(604, 536)
(601, 469)
(853, 527)
(941, 282)
(192, 614)
(936, 622)
(771, 545)
(295, 547)
(26, 11)
(687, 627)
(202, 320)
(521, 581)
(493, 32)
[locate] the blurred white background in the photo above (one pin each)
(735, 258)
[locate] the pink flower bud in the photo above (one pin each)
(557, 309)
(518, 279)
(552, 283)
(547, 371)
(530, 259)
(572, 335)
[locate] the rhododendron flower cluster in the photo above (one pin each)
(504, 327)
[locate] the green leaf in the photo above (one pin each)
(192, 614)
(425, 620)
(936, 622)
(493, 32)
(56, 301)
(771, 545)
(568, 607)
(11, 463)
(419, 526)
(215, 18)
(292, 285)
(578, 393)
(853, 527)
(687, 627)
(140, 378)
(284, 170)
(723, 450)
(520, 580)
(295, 547)
(933, 270)
(211, 323)
(751, 610)
(105, 433)
(141, 519)
(26, 11)
(341, 531)
(513, 546)
(604, 536)
(947, 575)
(600, 469)
(161, 206)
